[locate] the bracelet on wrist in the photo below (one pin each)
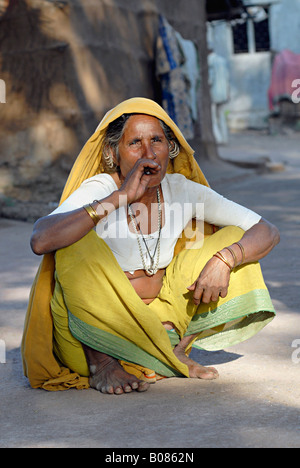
(105, 212)
(96, 217)
(233, 256)
(92, 213)
(223, 259)
(243, 252)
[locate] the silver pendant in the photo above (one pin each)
(150, 272)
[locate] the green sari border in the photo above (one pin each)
(252, 302)
(117, 347)
(237, 333)
(255, 308)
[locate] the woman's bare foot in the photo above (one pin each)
(196, 371)
(108, 376)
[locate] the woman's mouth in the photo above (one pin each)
(147, 171)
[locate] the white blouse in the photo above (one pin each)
(183, 200)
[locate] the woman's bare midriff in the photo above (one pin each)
(146, 287)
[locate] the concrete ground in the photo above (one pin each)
(256, 401)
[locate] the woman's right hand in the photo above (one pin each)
(137, 182)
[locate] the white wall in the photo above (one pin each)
(250, 73)
(285, 26)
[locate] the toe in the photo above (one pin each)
(105, 389)
(143, 386)
(118, 390)
(128, 388)
(209, 375)
(213, 370)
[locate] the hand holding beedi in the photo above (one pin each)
(145, 174)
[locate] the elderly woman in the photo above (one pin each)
(132, 292)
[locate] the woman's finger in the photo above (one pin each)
(198, 293)
(223, 292)
(192, 287)
(207, 296)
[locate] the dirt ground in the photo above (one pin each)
(256, 401)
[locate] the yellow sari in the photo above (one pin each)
(70, 305)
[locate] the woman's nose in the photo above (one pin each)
(149, 152)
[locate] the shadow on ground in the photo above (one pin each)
(213, 358)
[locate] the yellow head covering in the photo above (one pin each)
(88, 162)
(40, 366)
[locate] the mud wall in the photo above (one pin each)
(65, 63)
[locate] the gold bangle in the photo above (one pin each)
(233, 256)
(220, 257)
(92, 213)
(224, 259)
(243, 252)
(105, 212)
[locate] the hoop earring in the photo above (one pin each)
(173, 149)
(108, 158)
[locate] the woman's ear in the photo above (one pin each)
(114, 157)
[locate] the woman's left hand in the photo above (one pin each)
(212, 282)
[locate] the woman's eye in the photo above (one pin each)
(134, 142)
(156, 139)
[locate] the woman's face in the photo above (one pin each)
(143, 137)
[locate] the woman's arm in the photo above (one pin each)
(255, 244)
(258, 241)
(60, 230)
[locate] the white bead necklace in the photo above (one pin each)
(150, 271)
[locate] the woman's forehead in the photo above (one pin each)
(142, 123)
